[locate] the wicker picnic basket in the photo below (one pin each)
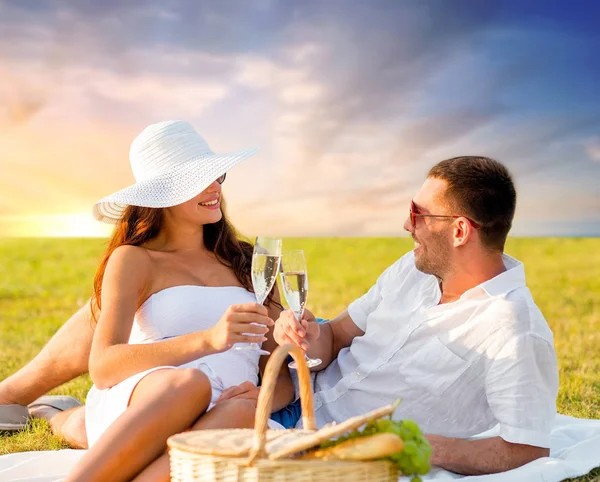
(253, 455)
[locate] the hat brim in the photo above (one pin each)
(170, 189)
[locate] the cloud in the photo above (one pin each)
(185, 95)
(347, 95)
(350, 106)
(62, 167)
(117, 27)
(24, 92)
(592, 149)
(106, 94)
(376, 61)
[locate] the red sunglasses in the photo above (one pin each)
(414, 213)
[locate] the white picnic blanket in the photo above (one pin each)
(574, 451)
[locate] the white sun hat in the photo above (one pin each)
(171, 164)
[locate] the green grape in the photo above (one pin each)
(413, 459)
(411, 425)
(410, 448)
(419, 462)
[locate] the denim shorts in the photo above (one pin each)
(288, 416)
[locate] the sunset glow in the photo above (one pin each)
(350, 107)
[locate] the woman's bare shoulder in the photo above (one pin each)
(129, 257)
(129, 253)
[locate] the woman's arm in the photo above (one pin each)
(284, 388)
(126, 283)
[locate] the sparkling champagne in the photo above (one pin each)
(295, 289)
(264, 274)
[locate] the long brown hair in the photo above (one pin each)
(140, 224)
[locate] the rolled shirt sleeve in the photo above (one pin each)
(521, 387)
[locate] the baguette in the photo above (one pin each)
(363, 448)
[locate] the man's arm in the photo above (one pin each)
(521, 386)
(334, 335)
(325, 340)
(484, 456)
(319, 340)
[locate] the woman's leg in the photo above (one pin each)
(233, 413)
(70, 425)
(163, 403)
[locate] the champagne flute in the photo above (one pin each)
(266, 259)
(294, 283)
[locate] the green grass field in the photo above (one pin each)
(43, 281)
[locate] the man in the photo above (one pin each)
(450, 328)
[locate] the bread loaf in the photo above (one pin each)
(363, 448)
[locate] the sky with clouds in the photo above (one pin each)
(350, 102)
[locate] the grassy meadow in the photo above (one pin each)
(43, 281)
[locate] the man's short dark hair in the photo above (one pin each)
(482, 189)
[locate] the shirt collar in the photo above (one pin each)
(509, 280)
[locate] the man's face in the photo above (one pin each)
(433, 236)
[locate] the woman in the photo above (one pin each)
(174, 293)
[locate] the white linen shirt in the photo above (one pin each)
(460, 368)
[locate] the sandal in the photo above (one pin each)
(58, 402)
(13, 417)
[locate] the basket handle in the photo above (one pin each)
(265, 396)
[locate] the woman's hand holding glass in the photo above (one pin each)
(266, 258)
(245, 323)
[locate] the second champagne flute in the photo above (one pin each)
(294, 283)
(266, 259)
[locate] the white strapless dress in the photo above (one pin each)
(166, 314)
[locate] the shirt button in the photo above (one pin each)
(358, 375)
